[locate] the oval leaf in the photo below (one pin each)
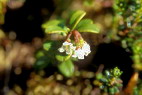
(84, 22)
(66, 68)
(56, 29)
(47, 45)
(41, 63)
(60, 58)
(89, 28)
(76, 17)
(39, 54)
(51, 23)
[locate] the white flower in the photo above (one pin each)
(61, 49)
(86, 49)
(70, 48)
(76, 53)
(67, 47)
(81, 52)
(66, 43)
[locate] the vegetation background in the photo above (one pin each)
(118, 44)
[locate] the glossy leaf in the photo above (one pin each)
(75, 18)
(47, 46)
(89, 28)
(84, 22)
(60, 58)
(66, 68)
(55, 26)
(56, 29)
(51, 23)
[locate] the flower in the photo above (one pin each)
(66, 43)
(78, 49)
(81, 52)
(86, 48)
(61, 49)
(67, 47)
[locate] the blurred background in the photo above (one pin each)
(21, 36)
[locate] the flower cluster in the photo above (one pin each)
(67, 47)
(74, 51)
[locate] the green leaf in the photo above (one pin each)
(51, 23)
(60, 58)
(89, 28)
(55, 26)
(84, 22)
(66, 68)
(47, 45)
(39, 54)
(116, 72)
(56, 29)
(50, 45)
(75, 18)
(41, 63)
